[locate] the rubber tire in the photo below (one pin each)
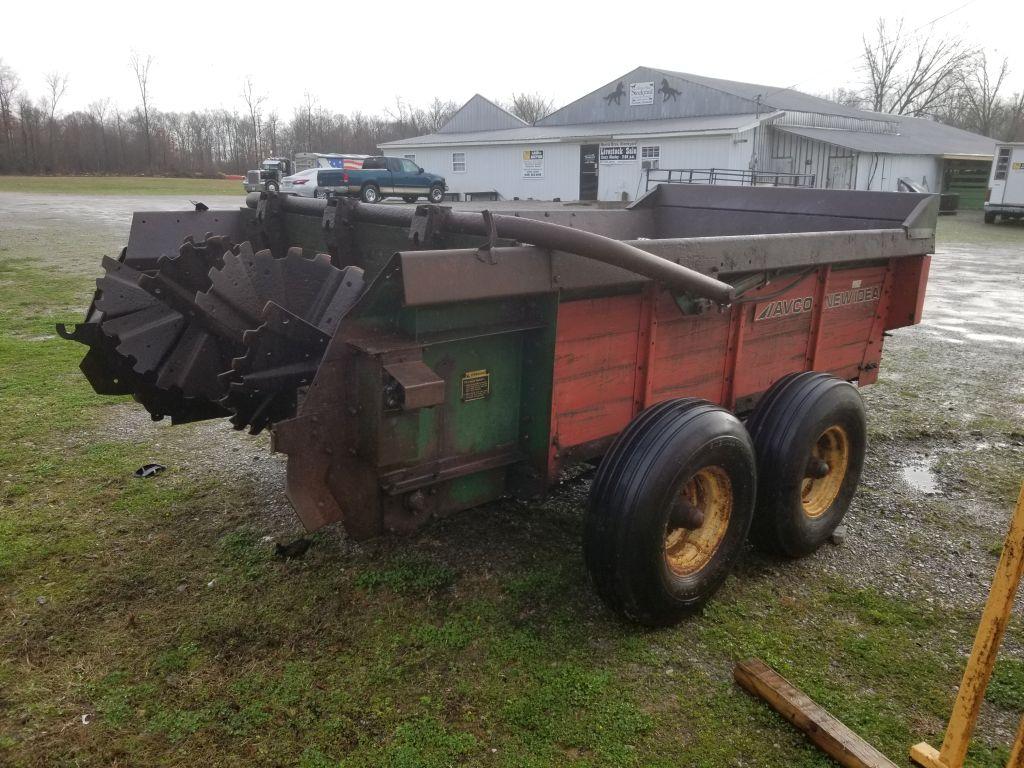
(436, 195)
(272, 186)
(629, 504)
(410, 198)
(784, 426)
(990, 217)
(374, 192)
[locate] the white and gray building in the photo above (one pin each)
(607, 144)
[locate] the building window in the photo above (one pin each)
(410, 157)
(458, 162)
(1002, 163)
(650, 157)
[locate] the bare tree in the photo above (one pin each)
(98, 116)
(119, 126)
(56, 85)
(28, 121)
(141, 68)
(529, 107)
(405, 117)
(8, 95)
(911, 75)
(847, 97)
(272, 123)
(254, 103)
(981, 94)
(1014, 130)
(304, 119)
(437, 114)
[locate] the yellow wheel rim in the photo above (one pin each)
(689, 547)
(825, 471)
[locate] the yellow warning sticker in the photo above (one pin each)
(476, 385)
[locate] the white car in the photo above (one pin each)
(322, 182)
(313, 182)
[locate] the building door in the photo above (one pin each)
(840, 173)
(588, 171)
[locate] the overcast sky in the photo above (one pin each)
(361, 56)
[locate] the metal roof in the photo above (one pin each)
(719, 124)
(778, 98)
(481, 114)
(915, 136)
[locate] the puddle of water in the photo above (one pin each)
(920, 477)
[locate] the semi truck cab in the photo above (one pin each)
(268, 176)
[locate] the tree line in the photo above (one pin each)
(900, 71)
(105, 138)
(36, 138)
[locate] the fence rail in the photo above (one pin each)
(655, 176)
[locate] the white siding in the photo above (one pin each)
(676, 152)
(742, 150)
(882, 172)
(500, 168)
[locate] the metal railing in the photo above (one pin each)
(736, 177)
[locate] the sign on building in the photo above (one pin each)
(533, 163)
(619, 153)
(641, 94)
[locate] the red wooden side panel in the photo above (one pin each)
(595, 368)
(777, 335)
(615, 356)
(856, 301)
(909, 279)
(689, 353)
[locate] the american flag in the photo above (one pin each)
(346, 163)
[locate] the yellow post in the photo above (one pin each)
(1017, 755)
(983, 655)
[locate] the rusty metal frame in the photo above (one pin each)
(266, 228)
(339, 231)
(545, 234)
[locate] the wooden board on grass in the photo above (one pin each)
(830, 735)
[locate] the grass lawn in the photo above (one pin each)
(119, 185)
(146, 622)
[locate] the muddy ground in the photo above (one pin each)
(945, 459)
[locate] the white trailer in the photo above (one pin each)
(1006, 184)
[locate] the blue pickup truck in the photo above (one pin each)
(382, 177)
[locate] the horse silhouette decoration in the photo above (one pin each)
(667, 91)
(615, 95)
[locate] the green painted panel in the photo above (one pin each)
(469, 315)
(475, 426)
(472, 490)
